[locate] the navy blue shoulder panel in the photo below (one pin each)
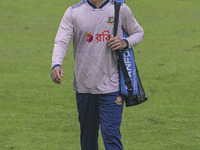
(78, 4)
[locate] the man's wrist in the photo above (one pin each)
(127, 44)
(56, 66)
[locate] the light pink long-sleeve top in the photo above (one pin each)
(96, 65)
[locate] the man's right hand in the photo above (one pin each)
(57, 74)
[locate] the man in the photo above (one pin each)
(96, 79)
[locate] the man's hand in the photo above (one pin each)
(56, 74)
(115, 43)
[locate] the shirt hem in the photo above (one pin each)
(97, 91)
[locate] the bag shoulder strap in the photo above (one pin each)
(116, 21)
(127, 79)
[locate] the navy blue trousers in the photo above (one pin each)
(104, 110)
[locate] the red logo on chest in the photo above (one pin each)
(104, 36)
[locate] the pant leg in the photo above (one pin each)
(89, 120)
(111, 108)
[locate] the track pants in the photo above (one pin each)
(104, 110)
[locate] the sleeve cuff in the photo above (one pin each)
(126, 43)
(55, 66)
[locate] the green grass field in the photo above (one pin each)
(36, 114)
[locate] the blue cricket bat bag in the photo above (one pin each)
(130, 83)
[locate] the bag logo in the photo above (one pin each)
(111, 20)
(118, 100)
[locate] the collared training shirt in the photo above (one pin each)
(96, 65)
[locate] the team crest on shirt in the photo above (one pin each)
(111, 20)
(118, 100)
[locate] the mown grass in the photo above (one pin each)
(35, 113)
